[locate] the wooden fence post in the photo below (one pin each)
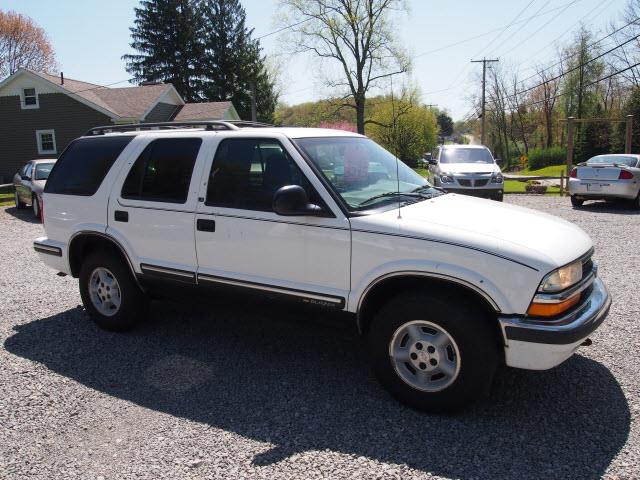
(569, 144)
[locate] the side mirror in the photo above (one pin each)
(25, 177)
(292, 200)
(433, 161)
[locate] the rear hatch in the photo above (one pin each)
(598, 172)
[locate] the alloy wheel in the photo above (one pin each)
(425, 356)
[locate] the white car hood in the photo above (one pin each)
(527, 236)
(469, 168)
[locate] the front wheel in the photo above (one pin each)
(109, 293)
(19, 203)
(636, 203)
(576, 202)
(36, 206)
(430, 353)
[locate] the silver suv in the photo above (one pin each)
(468, 169)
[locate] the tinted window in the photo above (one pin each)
(28, 171)
(465, 155)
(84, 164)
(162, 172)
(246, 173)
(612, 160)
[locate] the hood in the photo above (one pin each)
(527, 236)
(469, 167)
(37, 186)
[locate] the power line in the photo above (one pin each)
(564, 74)
(543, 26)
(567, 92)
(569, 30)
(475, 37)
(576, 54)
(283, 29)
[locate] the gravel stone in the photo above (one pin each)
(246, 390)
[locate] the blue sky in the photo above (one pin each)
(90, 36)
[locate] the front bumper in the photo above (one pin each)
(539, 345)
(494, 192)
(600, 189)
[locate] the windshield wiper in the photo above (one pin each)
(412, 194)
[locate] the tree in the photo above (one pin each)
(232, 63)
(165, 37)
(445, 122)
(357, 36)
(23, 44)
(404, 128)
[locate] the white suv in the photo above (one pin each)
(467, 169)
(444, 287)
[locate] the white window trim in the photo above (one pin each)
(22, 99)
(41, 151)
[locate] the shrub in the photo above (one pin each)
(533, 186)
(544, 157)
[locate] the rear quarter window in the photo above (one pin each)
(84, 164)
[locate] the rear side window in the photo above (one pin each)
(84, 164)
(162, 172)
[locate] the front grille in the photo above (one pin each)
(481, 183)
(587, 266)
(464, 183)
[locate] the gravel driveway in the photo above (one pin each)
(243, 391)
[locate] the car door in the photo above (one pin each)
(24, 188)
(152, 206)
(241, 242)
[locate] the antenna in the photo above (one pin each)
(395, 145)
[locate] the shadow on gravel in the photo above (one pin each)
(24, 214)
(616, 207)
(300, 382)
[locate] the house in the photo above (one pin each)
(41, 113)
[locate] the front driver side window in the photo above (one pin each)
(246, 173)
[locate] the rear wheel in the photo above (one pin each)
(576, 202)
(16, 198)
(109, 293)
(36, 206)
(432, 354)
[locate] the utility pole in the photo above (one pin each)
(484, 62)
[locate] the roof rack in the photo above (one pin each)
(209, 125)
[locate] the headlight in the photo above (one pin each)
(497, 178)
(562, 278)
(446, 178)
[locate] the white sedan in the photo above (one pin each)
(606, 177)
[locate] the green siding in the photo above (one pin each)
(68, 117)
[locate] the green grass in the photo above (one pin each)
(421, 171)
(514, 186)
(552, 171)
(6, 199)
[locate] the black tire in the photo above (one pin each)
(19, 203)
(472, 332)
(35, 205)
(133, 305)
(498, 198)
(576, 202)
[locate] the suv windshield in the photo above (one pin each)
(42, 171)
(363, 173)
(610, 160)
(466, 155)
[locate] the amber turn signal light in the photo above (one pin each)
(552, 309)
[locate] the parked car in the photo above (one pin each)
(29, 183)
(606, 177)
(444, 287)
(466, 169)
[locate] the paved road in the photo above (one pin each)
(243, 391)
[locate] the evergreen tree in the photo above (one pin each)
(165, 37)
(446, 124)
(232, 60)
